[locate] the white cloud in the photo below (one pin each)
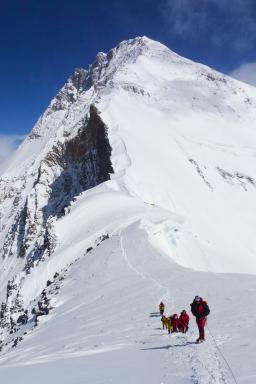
(8, 145)
(246, 72)
(183, 16)
(219, 22)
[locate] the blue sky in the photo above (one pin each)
(42, 41)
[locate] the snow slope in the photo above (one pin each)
(137, 184)
(105, 327)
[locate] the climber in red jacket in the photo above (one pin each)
(200, 310)
(175, 322)
(183, 321)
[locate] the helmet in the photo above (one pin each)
(197, 298)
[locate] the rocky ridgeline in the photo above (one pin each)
(72, 165)
(16, 321)
(35, 195)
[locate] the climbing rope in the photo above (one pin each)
(222, 355)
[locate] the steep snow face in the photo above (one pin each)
(159, 131)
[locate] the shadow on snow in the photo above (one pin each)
(169, 346)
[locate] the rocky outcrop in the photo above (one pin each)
(84, 162)
(69, 93)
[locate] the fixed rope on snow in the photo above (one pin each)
(222, 355)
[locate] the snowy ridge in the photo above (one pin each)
(139, 174)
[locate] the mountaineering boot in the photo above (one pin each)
(199, 340)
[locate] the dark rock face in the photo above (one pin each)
(85, 163)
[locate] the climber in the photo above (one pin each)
(175, 322)
(183, 321)
(169, 324)
(164, 321)
(200, 310)
(161, 308)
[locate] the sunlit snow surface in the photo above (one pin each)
(105, 328)
(180, 215)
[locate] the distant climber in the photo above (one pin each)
(175, 322)
(169, 324)
(200, 310)
(161, 308)
(164, 321)
(183, 321)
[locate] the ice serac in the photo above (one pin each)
(142, 136)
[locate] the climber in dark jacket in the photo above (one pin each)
(200, 310)
(161, 308)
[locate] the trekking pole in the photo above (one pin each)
(222, 355)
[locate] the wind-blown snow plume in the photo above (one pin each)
(8, 145)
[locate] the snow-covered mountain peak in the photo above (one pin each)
(142, 45)
(108, 65)
(141, 161)
(120, 67)
(141, 66)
